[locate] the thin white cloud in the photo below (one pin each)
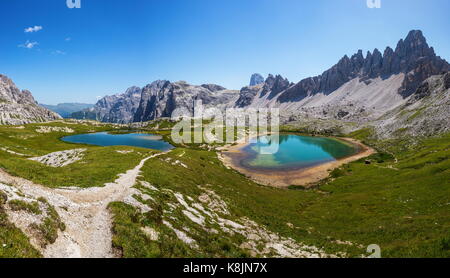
(59, 52)
(33, 29)
(68, 39)
(28, 44)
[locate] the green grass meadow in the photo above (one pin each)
(400, 201)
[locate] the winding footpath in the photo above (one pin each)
(84, 211)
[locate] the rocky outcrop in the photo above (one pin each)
(125, 107)
(426, 113)
(156, 100)
(162, 97)
(118, 108)
(153, 97)
(447, 81)
(256, 79)
(246, 96)
(19, 107)
(213, 87)
(418, 61)
(274, 85)
(268, 89)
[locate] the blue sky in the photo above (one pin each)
(109, 45)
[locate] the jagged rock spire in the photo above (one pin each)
(256, 79)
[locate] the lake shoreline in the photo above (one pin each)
(107, 139)
(306, 177)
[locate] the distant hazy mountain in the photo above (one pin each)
(19, 107)
(66, 109)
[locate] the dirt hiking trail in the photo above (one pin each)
(84, 211)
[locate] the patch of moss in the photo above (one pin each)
(13, 242)
(50, 226)
(31, 207)
(416, 114)
(381, 157)
(3, 198)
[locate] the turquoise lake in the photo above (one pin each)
(294, 152)
(143, 140)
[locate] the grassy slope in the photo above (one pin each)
(404, 210)
(99, 166)
(13, 242)
(245, 198)
(134, 243)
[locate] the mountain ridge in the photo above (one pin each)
(357, 89)
(411, 54)
(157, 99)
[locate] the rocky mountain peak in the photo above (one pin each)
(157, 99)
(415, 46)
(344, 62)
(388, 51)
(415, 39)
(358, 59)
(118, 108)
(256, 79)
(161, 98)
(275, 85)
(158, 84)
(377, 53)
(19, 107)
(412, 57)
(133, 91)
(6, 80)
(350, 82)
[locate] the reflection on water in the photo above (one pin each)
(142, 140)
(294, 152)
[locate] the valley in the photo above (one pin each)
(186, 203)
(364, 160)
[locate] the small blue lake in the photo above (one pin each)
(143, 140)
(294, 152)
